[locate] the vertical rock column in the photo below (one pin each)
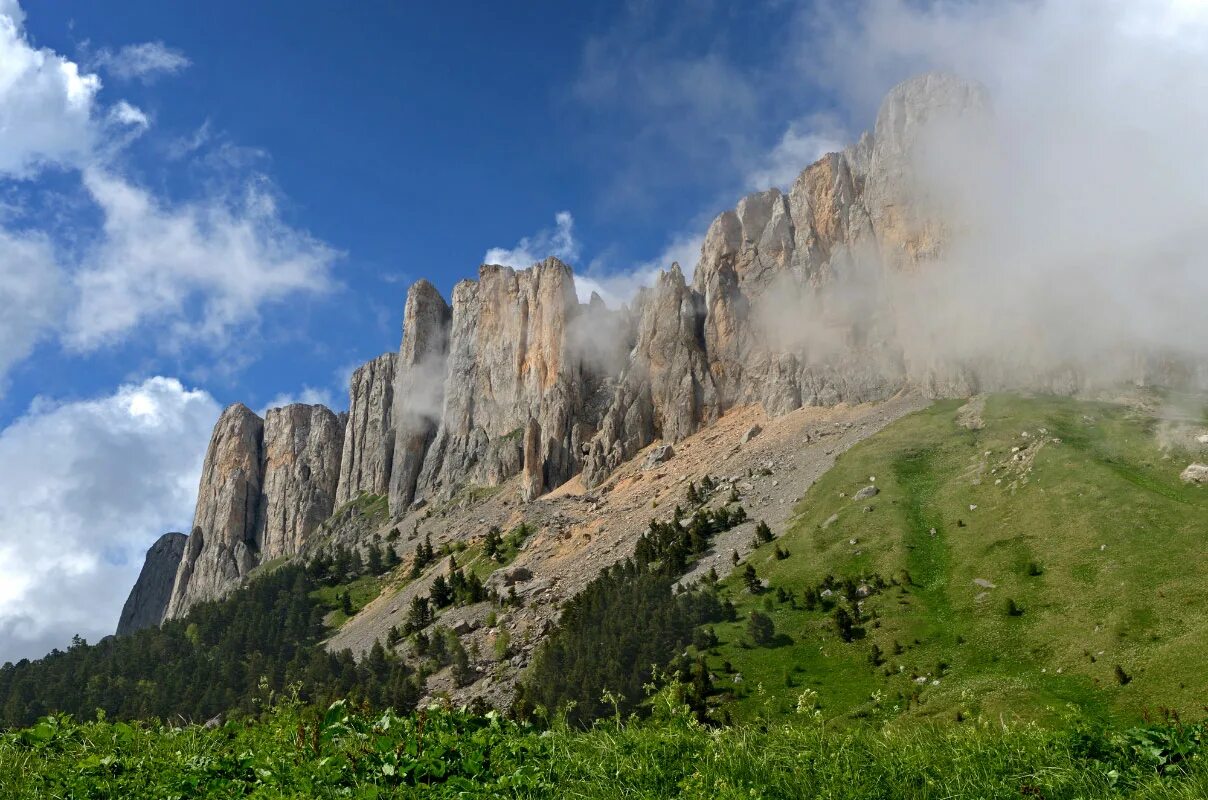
(418, 389)
(220, 550)
(301, 462)
(368, 454)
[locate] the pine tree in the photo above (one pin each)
(441, 593)
(462, 673)
(492, 542)
(844, 624)
(760, 628)
(751, 580)
(374, 561)
(763, 533)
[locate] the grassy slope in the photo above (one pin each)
(1121, 542)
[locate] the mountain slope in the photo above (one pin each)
(1036, 552)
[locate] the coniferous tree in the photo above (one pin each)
(751, 580)
(760, 628)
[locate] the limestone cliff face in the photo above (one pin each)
(265, 486)
(509, 361)
(148, 600)
(221, 547)
(368, 453)
(418, 389)
(300, 470)
(667, 390)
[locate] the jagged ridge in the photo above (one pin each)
(515, 376)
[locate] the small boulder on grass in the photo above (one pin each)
(866, 492)
(1195, 473)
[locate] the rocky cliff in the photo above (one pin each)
(221, 546)
(265, 486)
(516, 377)
(418, 389)
(510, 364)
(300, 468)
(148, 600)
(368, 450)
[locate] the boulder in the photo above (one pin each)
(659, 455)
(866, 492)
(1195, 473)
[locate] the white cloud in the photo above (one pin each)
(615, 286)
(190, 271)
(804, 142)
(125, 114)
(558, 241)
(199, 269)
(145, 62)
(618, 287)
(32, 295)
(46, 105)
(309, 395)
(85, 487)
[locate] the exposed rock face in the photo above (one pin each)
(509, 362)
(301, 467)
(533, 483)
(221, 548)
(667, 391)
(419, 388)
(148, 600)
(368, 454)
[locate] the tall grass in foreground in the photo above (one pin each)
(293, 751)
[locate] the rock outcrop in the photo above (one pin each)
(300, 470)
(222, 546)
(509, 361)
(265, 486)
(148, 600)
(667, 390)
(418, 388)
(368, 453)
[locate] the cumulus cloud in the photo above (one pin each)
(46, 104)
(200, 269)
(85, 487)
(145, 62)
(193, 270)
(558, 241)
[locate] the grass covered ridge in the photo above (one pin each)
(1051, 558)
